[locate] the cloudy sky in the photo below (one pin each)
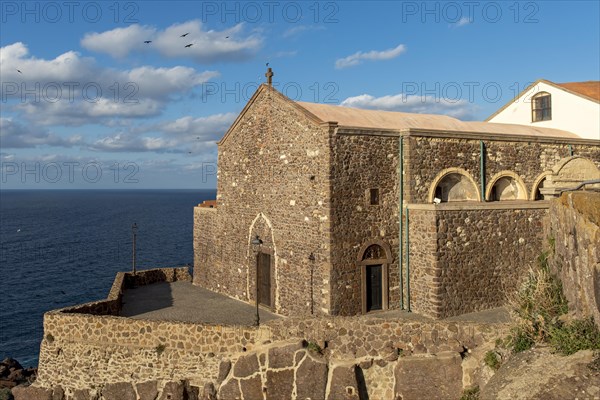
(86, 103)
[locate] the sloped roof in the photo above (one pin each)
(589, 89)
(375, 119)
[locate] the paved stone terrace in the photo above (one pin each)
(182, 301)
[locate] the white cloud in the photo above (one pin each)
(16, 135)
(462, 22)
(413, 104)
(72, 90)
(373, 55)
(119, 42)
(296, 30)
(184, 135)
(208, 46)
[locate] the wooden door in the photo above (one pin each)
(374, 288)
(264, 279)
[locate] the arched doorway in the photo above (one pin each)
(374, 260)
(262, 264)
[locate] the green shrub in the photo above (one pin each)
(520, 340)
(470, 393)
(492, 360)
(312, 346)
(569, 338)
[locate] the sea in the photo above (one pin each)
(63, 247)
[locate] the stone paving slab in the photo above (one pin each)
(182, 301)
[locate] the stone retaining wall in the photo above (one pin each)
(574, 234)
(85, 355)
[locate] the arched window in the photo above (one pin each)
(506, 185)
(538, 194)
(505, 188)
(541, 107)
(455, 187)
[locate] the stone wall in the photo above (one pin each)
(428, 156)
(272, 182)
(481, 253)
(574, 235)
(95, 356)
(355, 222)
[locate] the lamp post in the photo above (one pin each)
(312, 259)
(256, 243)
(134, 229)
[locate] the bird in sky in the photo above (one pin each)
(184, 35)
(19, 71)
(189, 45)
(267, 64)
(226, 37)
(147, 41)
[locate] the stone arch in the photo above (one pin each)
(375, 242)
(454, 184)
(374, 255)
(576, 168)
(569, 173)
(537, 184)
(262, 226)
(506, 185)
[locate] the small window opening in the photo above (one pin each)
(374, 197)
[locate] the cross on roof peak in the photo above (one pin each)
(269, 76)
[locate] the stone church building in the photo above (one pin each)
(342, 211)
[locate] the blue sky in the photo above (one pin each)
(93, 106)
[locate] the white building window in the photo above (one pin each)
(541, 107)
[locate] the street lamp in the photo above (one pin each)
(134, 229)
(256, 243)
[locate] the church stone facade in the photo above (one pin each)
(360, 211)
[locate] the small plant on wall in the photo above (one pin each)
(160, 349)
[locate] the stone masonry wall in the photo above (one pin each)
(272, 173)
(89, 354)
(574, 232)
(207, 251)
(478, 258)
(427, 156)
(355, 222)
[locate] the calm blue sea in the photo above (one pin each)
(64, 247)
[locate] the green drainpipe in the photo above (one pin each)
(482, 168)
(400, 203)
(407, 262)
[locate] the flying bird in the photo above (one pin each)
(184, 35)
(226, 37)
(147, 41)
(267, 64)
(19, 71)
(189, 45)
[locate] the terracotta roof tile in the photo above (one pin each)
(589, 89)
